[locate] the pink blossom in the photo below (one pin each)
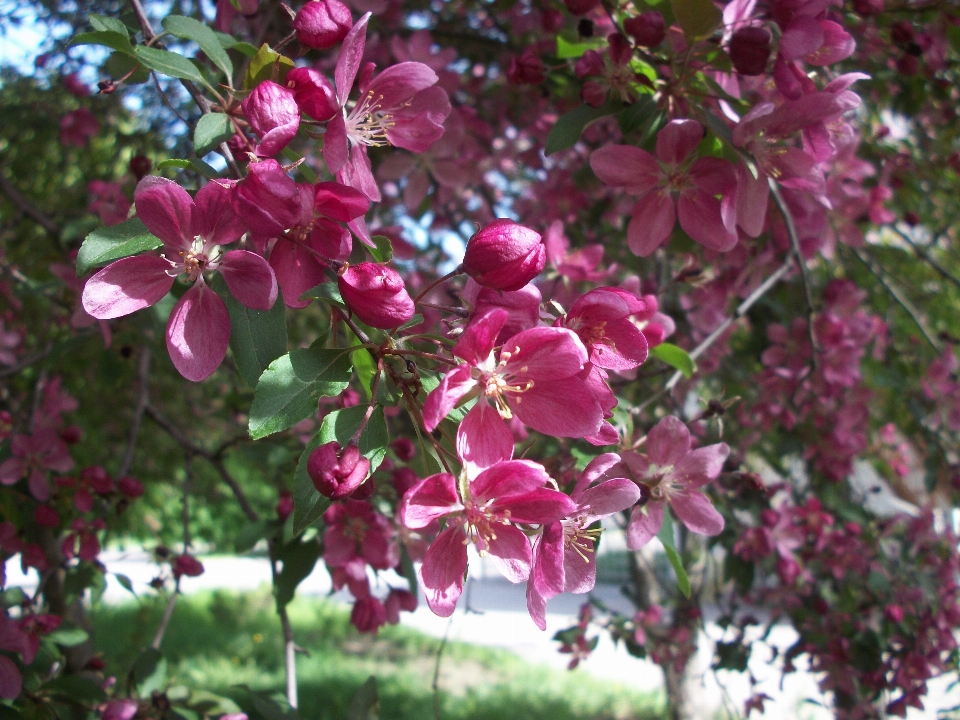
(32, 457)
(658, 179)
(601, 319)
(193, 233)
(484, 511)
(398, 107)
(108, 201)
(674, 473)
(77, 127)
(563, 554)
(356, 532)
(537, 377)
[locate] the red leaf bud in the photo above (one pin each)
(504, 255)
(335, 471)
(376, 295)
(321, 24)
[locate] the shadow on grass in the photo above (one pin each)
(218, 640)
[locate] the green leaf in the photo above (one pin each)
(169, 63)
(145, 665)
(675, 357)
(328, 292)
(203, 168)
(106, 244)
(68, 637)
(186, 28)
(290, 387)
(126, 583)
(108, 24)
(253, 533)
(365, 704)
(383, 250)
(637, 114)
(11, 597)
(566, 131)
(120, 65)
(298, 560)
(179, 163)
(698, 18)
(108, 38)
(257, 337)
(212, 129)
(567, 49)
(76, 688)
(340, 425)
(719, 127)
(263, 65)
(666, 537)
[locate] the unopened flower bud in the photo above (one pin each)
(313, 92)
(46, 516)
(335, 471)
(376, 295)
(321, 24)
(186, 565)
(273, 114)
(750, 50)
(130, 487)
(120, 709)
(648, 29)
(504, 255)
(140, 166)
(580, 7)
(526, 69)
(284, 505)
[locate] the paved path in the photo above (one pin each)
(498, 618)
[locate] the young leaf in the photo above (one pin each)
(262, 67)
(290, 387)
(257, 337)
(566, 131)
(675, 357)
(382, 250)
(328, 292)
(212, 129)
(108, 24)
(298, 560)
(666, 537)
(567, 50)
(169, 63)
(109, 38)
(106, 244)
(186, 28)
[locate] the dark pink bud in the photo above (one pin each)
(750, 50)
(120, 710)
(551, 21)
(404, 448)
(313, 92)
(376, 295)
(902, 33)
(504, 255)
(335, 471)
(866, 8)
(130, 487)
(140, 166)
(46, 516)
(89, 547)
(648, 29)
(593, 93)
(590, 63)
(399, 600)
(403, 479)
(580, 7)
(83, 500)
(72, 434)
(284, 505)
(273, 114)
(186, 565)
(526, 69)
(321, 24)
(267, 200)
(368, 615)
(769, 518)
(894, 613)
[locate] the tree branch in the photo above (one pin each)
(143, 397)
(27, 207)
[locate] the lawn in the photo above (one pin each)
(217, 641)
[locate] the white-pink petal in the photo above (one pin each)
(250, 279)
(198, 332)
(126, 285)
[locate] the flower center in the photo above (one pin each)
(196, 260)
(497, 384)
(355, 529)
(579, 539)
(481, 524)
(367, 124)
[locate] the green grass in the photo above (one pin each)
(218, 640)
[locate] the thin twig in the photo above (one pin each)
(436, 670)
(27, 207)
(289, 646)
(879, 272)
(801, 263)
(167, 614)
(143, 397)
(926, 256)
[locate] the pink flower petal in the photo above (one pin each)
(803, 36)
(702, 465)
(677, 140)
(700, 217)
(511, 553)
(358, 173)
(536, 507)
(697, 512)
(398, 83)
(336, 149)
(442, 572)
(442, 399)
(11, 683)
(477, 341)
(127, 285)
(544, 354)
(651, 224)
(626, 166)
(419, 125)
(198, 332)
(547, 572)
(167, 211)
(608, 497)
(296, 270)
(216, 219)
(250, 279)
(644, 525)
(351, 54)
(752, 195)
(508, 478)
(565, 409)
(579, 575)
(668, 442)
(428, 500)
(483, 439)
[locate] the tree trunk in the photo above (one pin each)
(678, 698)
